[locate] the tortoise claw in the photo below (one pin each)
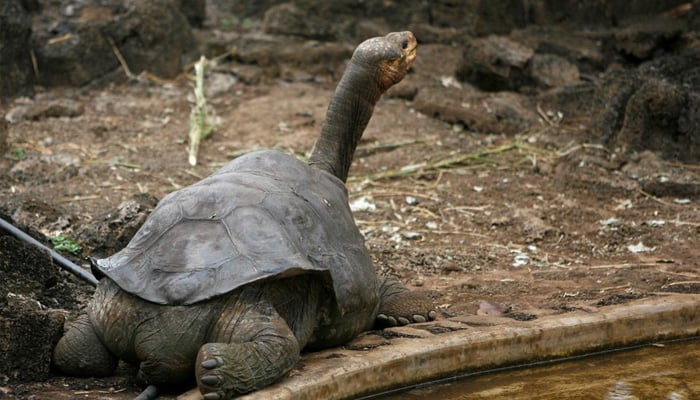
(387, 320)
(212, 363)
(418, 318)
(211, 380)
(212, 396)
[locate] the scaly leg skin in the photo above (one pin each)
(81, 353)
(400, 306)
(252, 349)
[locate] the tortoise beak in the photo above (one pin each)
(410, 51)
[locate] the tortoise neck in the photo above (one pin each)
(347, 117)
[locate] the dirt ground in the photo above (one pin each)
(544, 221)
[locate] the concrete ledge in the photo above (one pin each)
(377, 365)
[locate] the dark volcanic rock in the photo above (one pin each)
(290, 19)
(16, 72)
(572, 101)
(495, 63)
(575, 46)
(500, 17)
(661, 178)
(75, 58)
(274, 53)
(248, 8)
(655, 107)
(498, 63)
(504, 112)
(194, 11)
(549, 70)
(55, 109)
(641, 40)
(112, 231)
(153, 36)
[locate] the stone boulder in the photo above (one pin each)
(654, 107)
(153, 36)
(84, 45)
(643, 39)
(292, 19)
(503, 112)
(16, 72)
(497, 63)
(112, 231)
(584, 49)
(194, 11)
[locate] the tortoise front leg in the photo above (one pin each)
(401, 306)
(81, 353)
(252, 347)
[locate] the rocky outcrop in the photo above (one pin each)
(151, 36)
(655, 107)
(16, 72)
(504, 112)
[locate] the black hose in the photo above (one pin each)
(59, 259)
(149, 393)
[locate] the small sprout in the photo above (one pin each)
(16, 154)
(66, 245)
(212, 215)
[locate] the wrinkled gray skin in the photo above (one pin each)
(231, 277)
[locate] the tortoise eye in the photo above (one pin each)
(404, 44)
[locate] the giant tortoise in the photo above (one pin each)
(228, 279)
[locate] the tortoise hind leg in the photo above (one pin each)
(252, 347)
(401, 306)
(81, 353)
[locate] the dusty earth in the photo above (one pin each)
(544, 220)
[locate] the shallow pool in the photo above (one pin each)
(668, 371)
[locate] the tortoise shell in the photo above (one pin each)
(264, 215)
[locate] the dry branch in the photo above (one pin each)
(457, 161)
(202, 117)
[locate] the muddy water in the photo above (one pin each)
(668, 372)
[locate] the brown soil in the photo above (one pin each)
(538, 223)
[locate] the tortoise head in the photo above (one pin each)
(388, 57)
(375, 66)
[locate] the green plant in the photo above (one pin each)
(66, 245)
(16, 154)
